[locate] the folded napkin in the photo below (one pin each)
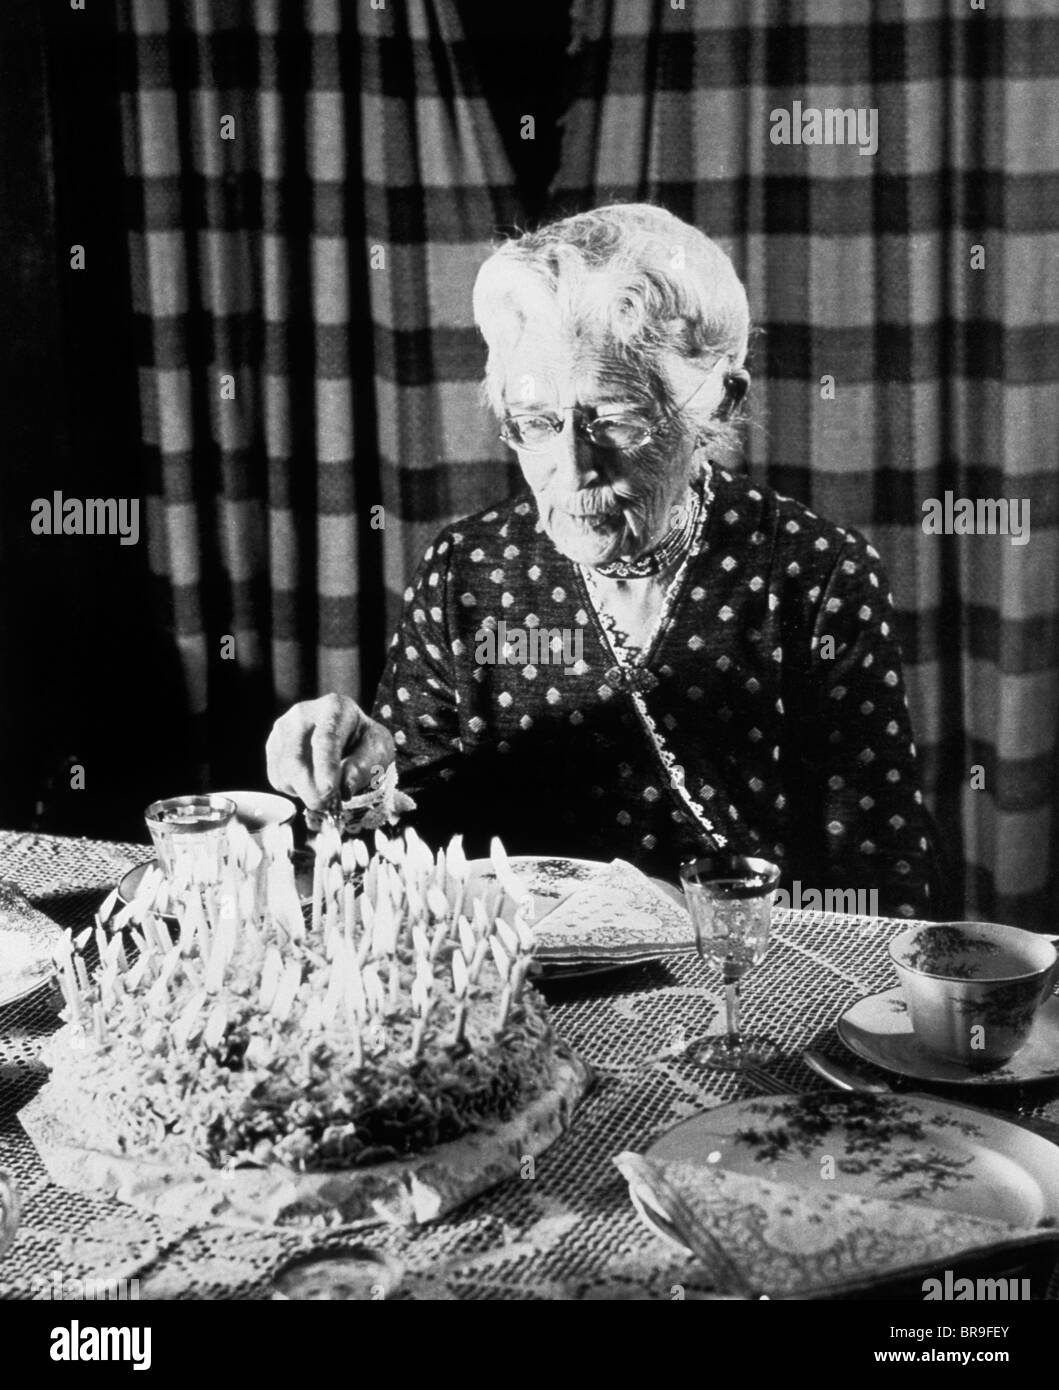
(762, 1238)
(619, 914)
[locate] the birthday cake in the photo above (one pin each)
(383, 1060)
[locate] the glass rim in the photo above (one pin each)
(730, 866)
(210, 800)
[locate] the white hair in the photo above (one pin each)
(653, 293)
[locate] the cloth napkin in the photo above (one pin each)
(619, 914)
(760, 1238)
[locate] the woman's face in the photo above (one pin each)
(598, 504)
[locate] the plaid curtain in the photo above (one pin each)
(324, 258)
(312, 187)
(861, 269)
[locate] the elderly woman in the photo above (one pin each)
(640, 653)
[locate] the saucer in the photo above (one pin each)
(303, 878)
(879, 1030)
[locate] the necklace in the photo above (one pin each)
(631, 673)
(673, 545)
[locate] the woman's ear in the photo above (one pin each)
(736, 386)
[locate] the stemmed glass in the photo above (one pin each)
(729, 897)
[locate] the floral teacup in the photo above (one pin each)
(973, 988)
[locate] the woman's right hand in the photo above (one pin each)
(322, 744)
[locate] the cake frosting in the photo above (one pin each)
(396, 1018)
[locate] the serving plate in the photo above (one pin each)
(879, 1029)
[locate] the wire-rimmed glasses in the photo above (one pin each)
(537, 430)
(729, 897)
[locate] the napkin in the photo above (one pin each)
(619, 914)
(761, 1238)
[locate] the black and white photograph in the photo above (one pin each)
(529, 666)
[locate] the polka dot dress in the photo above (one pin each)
(775, 684)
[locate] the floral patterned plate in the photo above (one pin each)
(879, 1030)
(904, 1148)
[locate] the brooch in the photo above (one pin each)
(635, 678)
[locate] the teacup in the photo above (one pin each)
(973, 988)
(256, 810)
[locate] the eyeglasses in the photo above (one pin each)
(537, 431)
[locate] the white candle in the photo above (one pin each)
(349, 910)
(500, 958)
(505, 1008)
(518, 976)
(319, 873)
(480, 953)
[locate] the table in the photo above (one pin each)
(566, 1231)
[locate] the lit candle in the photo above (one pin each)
(505, 1008)
(518, 976)
(319, 875)
(349, 910)
(468, 940)
(461, 987)
(441, 931)
(478, 959)
(500, 958)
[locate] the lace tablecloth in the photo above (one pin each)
(565, 1231)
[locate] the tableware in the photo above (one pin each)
(847, 1078)
(28, 941)
(190, 835)
(303, 876)
(256, 810)
(571, 955)
(661, 1202)
(354, 1273)
(730, 901)
(10, 1210)
(770, 1237)
(913, 1148)
(973, 988)
(879, 1029)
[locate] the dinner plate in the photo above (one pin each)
(303, 877)
(551, 879)
(879, 1030)
(910, 1148)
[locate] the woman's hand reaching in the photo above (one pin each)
(320, 746)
